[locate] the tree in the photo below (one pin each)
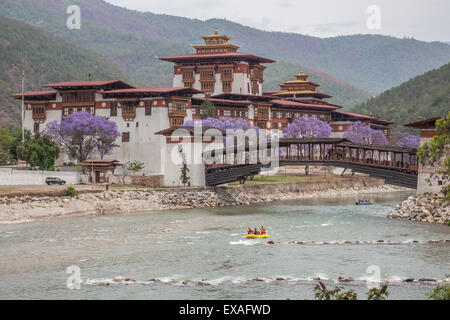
(184, 171)
(6, 141)
(106, 138)
(222, 123)
(408, 140)
(40, 151)
(207, 109)
(135, 166)
(80, 133)
(362, 133)
(436, 151)
(307, 127)
(322, 293)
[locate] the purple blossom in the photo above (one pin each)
(408, 140)
(362, 133)
(222, 123)
(307, 127)
(81, 133)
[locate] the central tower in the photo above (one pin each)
(218, 68)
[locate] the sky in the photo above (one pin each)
(426, 20)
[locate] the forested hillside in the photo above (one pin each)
(132, 39)
(420, 98)
(45, 59)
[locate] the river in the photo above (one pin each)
(196, 244)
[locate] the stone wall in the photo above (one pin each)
(148, 181)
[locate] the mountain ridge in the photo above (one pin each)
(389, 61)
(422, 97)
(24, 47)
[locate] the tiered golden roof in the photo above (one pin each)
(300, 87)
(216, 43)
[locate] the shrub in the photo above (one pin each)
(441, 292)
(69, 192)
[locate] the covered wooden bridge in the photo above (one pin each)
(396, 165)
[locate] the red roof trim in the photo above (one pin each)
(150, 90)
(217, 55)
(299, 104)
(224, 101)
(34, 94)
(84, 84)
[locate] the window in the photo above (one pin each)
(227, 113)
(113, 110)
(176, 122)
(226, 86)
(148, 108)
(129, 108)
(208, 86)
(188, 75)
(255, 87)
(80, 96)
(125, 137)
(207, 74)
(227, 73)
(36, 127)
(39, 112)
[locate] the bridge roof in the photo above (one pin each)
(289, 141)
(187, 131)
(379, 148)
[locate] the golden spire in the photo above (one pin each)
(216, 32)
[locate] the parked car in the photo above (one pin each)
(52, 180)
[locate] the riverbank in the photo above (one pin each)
(17, 209)
(427, 207)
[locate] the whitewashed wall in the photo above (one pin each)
(11, 177)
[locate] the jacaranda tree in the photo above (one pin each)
(307, 127)
(81, 133)
(362, 133)
(408, 140)
(223, 123)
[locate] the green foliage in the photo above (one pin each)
(420, 98)
(45, 59)
(40, 151)
(208, 110)
(184, 172)
(69, 192)
(322, 293)
(441, 292)
(135, 166)
(8, 137)
(432, 152)
(378, 294)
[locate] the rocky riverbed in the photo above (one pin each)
(28, 208)
(427, 207)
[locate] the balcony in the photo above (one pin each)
(39, 114)
(179, 111)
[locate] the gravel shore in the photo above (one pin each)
(427, 207)
(28, 208)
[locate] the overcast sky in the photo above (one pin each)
(426, 20)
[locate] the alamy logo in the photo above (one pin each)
(74, 280)
(375, 277)
(74, 19)
(374, 20)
